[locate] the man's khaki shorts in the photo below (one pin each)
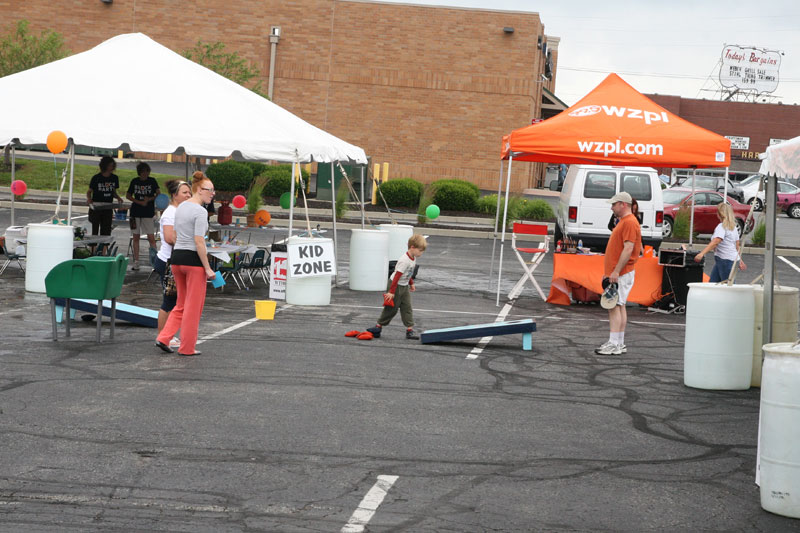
(144, 226)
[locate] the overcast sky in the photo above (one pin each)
(668, 47)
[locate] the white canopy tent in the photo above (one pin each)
(132, 90)
(779, 161)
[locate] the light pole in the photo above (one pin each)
(274, 37)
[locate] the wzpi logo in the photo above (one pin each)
(648, 116)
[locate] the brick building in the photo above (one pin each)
(430, 90)
(753, 125)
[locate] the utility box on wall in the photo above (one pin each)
(324, 180)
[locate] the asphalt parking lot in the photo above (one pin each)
(287, 425)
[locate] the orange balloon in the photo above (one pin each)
(262, 217)
(56, 141)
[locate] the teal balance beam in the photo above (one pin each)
(128, 313)
(525, 326)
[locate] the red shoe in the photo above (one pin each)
(366, 336)
(353, 333)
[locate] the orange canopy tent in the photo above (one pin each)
(612, 125)
(617, 125)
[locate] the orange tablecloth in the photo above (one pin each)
(587, 271)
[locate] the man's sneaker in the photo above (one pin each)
(376, 332)
(135, 265)
(622, 348)
(609, 348)
(412, 335)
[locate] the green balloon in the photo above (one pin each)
(432, 211)
(287, 200)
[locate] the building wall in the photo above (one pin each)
(759, 122)
(431, 90)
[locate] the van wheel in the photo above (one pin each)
(667, 227)
(558, 235)
(794, 211)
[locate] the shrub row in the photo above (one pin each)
(236, 176)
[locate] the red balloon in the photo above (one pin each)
(239, 201)
(18, 187)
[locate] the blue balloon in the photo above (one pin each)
(162, 201)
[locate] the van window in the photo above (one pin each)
(600, 185)
(637, 185)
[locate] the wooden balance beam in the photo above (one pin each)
(525, 326)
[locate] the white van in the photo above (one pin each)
(583, 210)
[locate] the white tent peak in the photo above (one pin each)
(132, 90)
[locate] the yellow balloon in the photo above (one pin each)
(56, 141)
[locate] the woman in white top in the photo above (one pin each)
(179, 191)
(725, 243)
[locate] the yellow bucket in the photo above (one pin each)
(265, 309)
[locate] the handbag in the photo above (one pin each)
(170, 288)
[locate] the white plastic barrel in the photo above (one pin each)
(369, 260)
(48, 245)
(786, 302)
(718, 349)
(309, 290)
(778, 450)
(398, 238)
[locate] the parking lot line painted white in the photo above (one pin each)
(226, 330)
(366, 509)
(477, 350)
(789, 263)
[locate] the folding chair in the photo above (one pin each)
(537, 254)
(10, 256)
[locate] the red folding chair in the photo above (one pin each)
(537, 254)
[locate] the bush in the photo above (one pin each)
(230, 176)
(278, 179)
(487, 204)
(455, 195)
(425, 200)
(759, 235)
(535, 210)
(256, 167)
(680, 228)
(403, 192)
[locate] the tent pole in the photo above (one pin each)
(503, 236)
(186, 166)
(769, 255)
(333, 215)
(291, 203)
(691, 216)
(13, 177)
(496, 215)
(362, 197)
(725, 190)
(71, 179)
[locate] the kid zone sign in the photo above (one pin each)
(311, 259)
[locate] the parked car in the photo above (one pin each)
(753, 195)
(705, 210)
(789, 199)
(583, 210)
(714, 183)
(746, 189)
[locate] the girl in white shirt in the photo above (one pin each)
(725, 243)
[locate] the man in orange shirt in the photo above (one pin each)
(622, 251)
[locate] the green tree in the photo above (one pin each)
(21, 50)
(229, 64)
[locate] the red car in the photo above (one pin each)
(705, 209)
(789, 199)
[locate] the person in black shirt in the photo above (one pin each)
(142, 194)
(100, 196)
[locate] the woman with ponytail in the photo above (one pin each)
(190, 267)
(725, 243)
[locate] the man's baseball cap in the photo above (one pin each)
(621, 197)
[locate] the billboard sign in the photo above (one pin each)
(750, 69)
(739, 143)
